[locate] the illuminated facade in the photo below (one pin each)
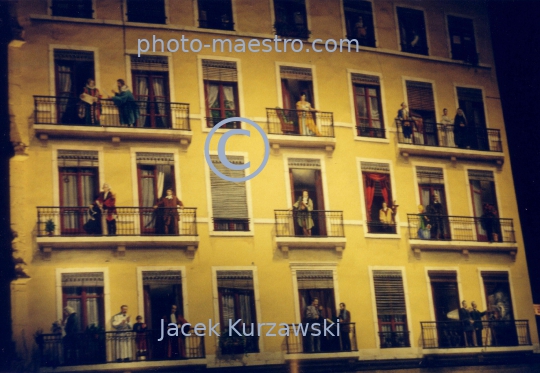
(260, 250)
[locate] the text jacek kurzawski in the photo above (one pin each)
(269, 329)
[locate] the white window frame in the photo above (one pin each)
(510, 283)
(448, 36)
(344, 23)
(409, 6)
(415, 165)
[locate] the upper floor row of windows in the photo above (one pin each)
(291, 20)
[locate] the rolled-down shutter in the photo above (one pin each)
(389, 293)
(222, 71)
(315, 279)
(420, 96)
(82, 279)
(229, 199)
(235, 279)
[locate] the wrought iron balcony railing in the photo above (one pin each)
(128, 221)
(300, 341)
(231, 224)
(394, 339)
(238, 345)
(460, 228)
(211, 122)
(443, 136)
(378, 133)
(292, 30)
(456, 334)
(300, 122)
(72, 111)
(381, 228)
(110, 347)
(318, 223)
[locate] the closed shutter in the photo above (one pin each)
(469, 94)
(304, 163)
(315, 280)
(149, 63)
(420, 96)
(155, 158)
(480, 175)
(389, 293)
(73, 55)
(76, 158)
(375, 167)
(162, 277)
(429, 175)
(82, 279)
(235, 279)
(296, 73)
(365, 79)
(222, 71)
(228, 198)
(442, 276)
(494, 276)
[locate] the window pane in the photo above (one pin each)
(361, 106)
(374, 101)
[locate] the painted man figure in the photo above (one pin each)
(169, 212)
(106, 201)
(313, 315)
(122, 339)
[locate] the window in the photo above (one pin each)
(377, 195)
(155, 173)
(444, 289)
(84, 293)
(359, 22)
(367, 99)
(422, 111)
(391, 309)
(484, 200)
(294, 82)
(78, 181)
(472, 103)
(146, 11)
(291, 19)
(462, 41)
(216, 14)
(229, 200)
(236, 298)
(72, 70)
(412, 31)
(72, 8)
(433, 198)
(151, 90)
(221, 92)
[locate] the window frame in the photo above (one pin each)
(83, 319)
(231, 14)
(421, 51)
(222, 109)
(475, 58)
(370, 43)
(50, 11)
(367, 97)
(165, 14)
(302, 34)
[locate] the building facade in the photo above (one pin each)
(334, 217)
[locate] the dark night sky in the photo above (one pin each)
(515, 30)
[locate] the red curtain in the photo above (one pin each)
(369, 188)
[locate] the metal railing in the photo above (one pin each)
(394, 339)
(128, 221)
(211, 122)
(460, 228)
(381, 228)
(234, 344)
(291, 29)
(378, 133)
(443, 136)
(72, 111)
(216, 23)
(300, 122)
(318, 223)
(231, 224)
(453, 334)
(110, 347)
(300, 341)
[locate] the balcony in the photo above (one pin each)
(449, 335)
(372, 132)
(211, 122)
(327, 230)
(158, 121)
(438, 140)
(300, 129)
(461, 233)
(300, 344)
(292, 30)
(394, 339)
(101, 347)
(143, 227)
(238, 345)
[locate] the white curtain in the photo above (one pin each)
(88, 182)
(69, 198)
(64, 88)
(375, 116)
(160, 181)
(245, 308)
(229, 98)
(92, 311)
(142, 95)
(227, 302)
(477, 201)
(213, 91)
(425, 197)
(76, 305)
(159, 94)
(148, 196)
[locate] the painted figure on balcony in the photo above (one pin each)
(447, 130)
(176, 346)
(461, 130)
(140, 338)
(478, 325)
(424, 226)
(312, 315)
(435, 212)
(490, 223)
(360, 29)
(127, 106)
(71, 329)
(466, 324)
(344, 317)
(387, 217)
(106, 201)
(93, 225)
(305, 117)
(122, 339)
(168, 212)
(303, 207)
(90, 106)
(406, 121)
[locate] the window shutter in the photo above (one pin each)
(375, 167)
(429, 175)
(442, 276)
(228, 198)
(296, 73)
(155, 158)
(365, 79)
(420, 96)
(469, 94)
(305, 163)
(389, 293)
(149, 63)
(222, 71)
(481, 175)
(162, 277)
(73, 55)
(494, 276)
(235, 279)
(76, 158)
(82, 279)
(315, 279)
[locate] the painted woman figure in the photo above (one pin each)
(461, 132)
(169, 212)
(90, 108)
(127, 107)
(303, 208)
(305, 117)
